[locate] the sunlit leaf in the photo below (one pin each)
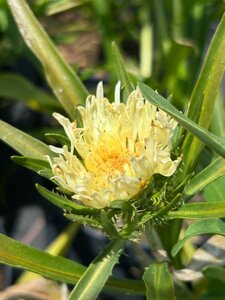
(64, 82)
(121, 72)
(18, 255)
(204, 95)
(215, 191)
(55, 7)
(199, 210)
(93, 280)
(209, 226)
(206, 176)
(64, 202)
(59, 246)
(23, 142)
(158, 282)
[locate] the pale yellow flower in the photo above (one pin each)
(120, 147)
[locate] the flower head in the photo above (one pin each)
(116, 152)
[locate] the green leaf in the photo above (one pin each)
(64, 202)
(93, 280)
(199, 210)
(59, 246)
(55, 7)
(108, 225)
(18, 255)
(84, 220)
(217, 125)
(35, 165)
(121, 72)
(23, 142)
(205, 93)
(214, 272)
(158, 282)
(209, 226)
(62, 139)
(19, 88)
(146, 41)
(205, 177)
(215, 191)
(64, 82)
(212, 141)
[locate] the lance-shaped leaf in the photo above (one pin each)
(17, 87)
(205, 93)
(18, 255)
(23, 142)
(96, 275)
(212, 141)
(121, 72)
(158, 282)
(199, 211)
(64, 82)
(35, 165)
(209, 226)
(65, 203)
(215, 191)
(206, 176)
(59, 246)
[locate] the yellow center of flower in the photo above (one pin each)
(107, 157)
(114, 162)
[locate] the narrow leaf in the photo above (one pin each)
(35, 165)
(64, 202)
(209, 226)
(18, 255)
(215, 191)
(108, 225)
(61, 139)
(205, 93)
(85, 220)
(146, 41)
(199, 210)
(96, 275)
(217, 125)
(158, 282)
(17, 87)
(206, 88)
(212, 141)
(23, 142)
(64, 82)
(121, 72)
(59, 246)
(208, 175)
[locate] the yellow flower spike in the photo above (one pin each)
(120, 145)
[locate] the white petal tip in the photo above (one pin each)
(117, 92)
(100, 91)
